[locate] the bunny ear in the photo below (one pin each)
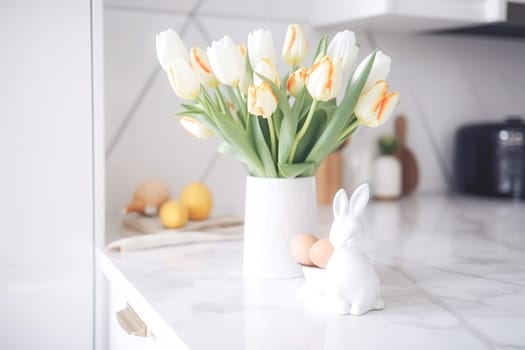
(359, 199)
(340, 205)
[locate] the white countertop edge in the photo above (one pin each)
(162, 331)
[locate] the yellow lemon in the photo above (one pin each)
(198, 199)
(173, 214)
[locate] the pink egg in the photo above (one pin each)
(300, 247)
(320, 252)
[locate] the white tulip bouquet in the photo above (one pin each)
(279, 126)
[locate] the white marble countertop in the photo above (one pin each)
(452, 273)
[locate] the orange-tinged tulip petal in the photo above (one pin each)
(261, 100)
(324, 79)
(296, 81)
(375, 106)
(246, 79)
(201, 65)
(196, 129)
(295, 46)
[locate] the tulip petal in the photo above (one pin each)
(260, 45)
(296, 81)
(261, 100)
(196, 129)
(226, 61)
(379, 71)
(324, 79)
(200, 64)
(343, 47)
(183, 79)
(267, 69)
(387, 107)
(376, 105)
(295, 46)
(170, 46)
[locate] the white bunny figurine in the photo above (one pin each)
(352, 284)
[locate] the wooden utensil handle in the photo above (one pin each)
(401, 129)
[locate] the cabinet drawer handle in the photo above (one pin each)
(131, 322)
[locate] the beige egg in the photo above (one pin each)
(300, 247)
(320, 252)
(152, 193)
(148, 198)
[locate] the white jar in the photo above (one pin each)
(386, 177)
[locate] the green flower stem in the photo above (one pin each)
(273, 141)
(303, 130)
(242, 102)
(348, 131)
(204, 99)
(224, 106)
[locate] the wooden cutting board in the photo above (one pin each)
(409, 168)
(149, 225)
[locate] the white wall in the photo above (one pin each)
(46, 148)
(443, 80)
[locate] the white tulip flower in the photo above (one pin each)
(201, 65)
(196, 129)
(375, 106)
(261, 100)
(295, 46)
(379, 71)
(260, 45)
(343, 47)
(267, 69)
(169, 47)
(324, 79)
(183, 79)
(296, 81)
(226, 60)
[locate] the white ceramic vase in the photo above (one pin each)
(386, 175)
(276, 210)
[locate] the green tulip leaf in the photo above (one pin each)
(288, 127)
(234, 134)
(297, 169)
(262, 148)
(318, 124)
(227, 149)
(284, 82)
(321, 48)
(277, 119)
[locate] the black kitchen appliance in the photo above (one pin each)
(489, 159)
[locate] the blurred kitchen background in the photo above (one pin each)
(445, 80)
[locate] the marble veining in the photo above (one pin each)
(452, 271)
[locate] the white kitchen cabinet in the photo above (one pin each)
(121, 294)
(402, 15)
(49, 160)
(126, 329)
